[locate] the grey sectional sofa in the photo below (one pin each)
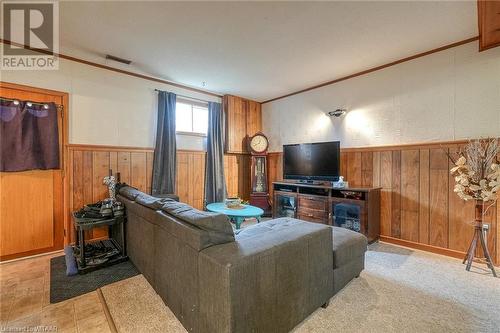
(267, 278)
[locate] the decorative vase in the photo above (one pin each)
(478, 238)
(479, 208)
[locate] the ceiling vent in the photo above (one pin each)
(123, 61)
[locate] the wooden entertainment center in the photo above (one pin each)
(353, 208)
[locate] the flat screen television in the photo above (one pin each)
(312, 161)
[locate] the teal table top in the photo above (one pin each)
(248, 211)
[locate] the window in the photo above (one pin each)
(191, 117)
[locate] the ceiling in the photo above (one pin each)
(260, 50)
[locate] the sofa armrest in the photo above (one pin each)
(267, 283)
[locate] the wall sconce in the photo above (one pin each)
(337, 113)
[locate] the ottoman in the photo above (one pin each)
(349, 249)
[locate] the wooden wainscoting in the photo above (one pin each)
(191, 177)
(274, 170)
(419, 208)
(88, 164)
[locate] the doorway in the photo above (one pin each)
(32, 203)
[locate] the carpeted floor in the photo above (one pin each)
(136, 307)
(400, 290)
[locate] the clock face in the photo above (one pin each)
(259, 143)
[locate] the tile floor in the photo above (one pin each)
(25, 301)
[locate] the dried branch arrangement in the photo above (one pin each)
(477, 170)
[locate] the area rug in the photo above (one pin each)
(400, 290)
(63, 287)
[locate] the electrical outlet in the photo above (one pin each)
(486, 226)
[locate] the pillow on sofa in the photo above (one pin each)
(217, 226)
(142, 198)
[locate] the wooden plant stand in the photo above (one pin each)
(478, 238)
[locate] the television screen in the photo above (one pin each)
(312, 161)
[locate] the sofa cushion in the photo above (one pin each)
(134, 208)
(151, 202)
(194, 237)
(217, 226)
(348, 245)
(144, 199)
(275, 225)
(129, 192)
(169, 196)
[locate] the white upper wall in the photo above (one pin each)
(105, 107)
(450, 95)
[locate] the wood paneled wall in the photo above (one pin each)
(489, 24)
(237, 173)
(89, 164)
(419, 208)
(274, 170)
(190, 181)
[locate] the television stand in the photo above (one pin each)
(356, 209)
(308, 182)
(313, 182)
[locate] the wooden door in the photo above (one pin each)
(32, 202)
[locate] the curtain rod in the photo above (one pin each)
(59, 106)
(188, 97)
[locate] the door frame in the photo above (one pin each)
(64, 166)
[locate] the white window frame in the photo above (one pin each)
(191, 102)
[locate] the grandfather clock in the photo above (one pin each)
(260, 193)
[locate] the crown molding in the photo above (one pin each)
(113, 69)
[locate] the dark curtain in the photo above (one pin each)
(215, 183)
(164, 164)
(29, 136)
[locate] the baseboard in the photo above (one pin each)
(16, 257)
(425, 247)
